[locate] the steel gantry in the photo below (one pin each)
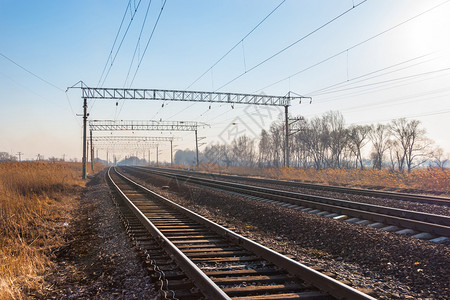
(148, 125)
(192, 96)
(132, 141)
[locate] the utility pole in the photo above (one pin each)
(64, 157)
(149, 161)
(157, 155)
(171, 152)
(92, 154)
(83, 175)
(20, 156)
(286, 140)
(196, 145)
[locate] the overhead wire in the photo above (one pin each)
(114, 43)
(235, 45)
(384, 81)
(354, 46)
(138, 42)
(121, 42)
(241, 41)
(134, 55)
(365, 78)
(41, 79)
(35, 75)
(291, 45)
(373, 89)
(148, 42)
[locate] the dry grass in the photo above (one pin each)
(35, 200)
(429, 179)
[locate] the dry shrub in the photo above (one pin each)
(35, 201)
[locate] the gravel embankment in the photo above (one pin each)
(98, 260)
(387, 265)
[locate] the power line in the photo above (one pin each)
(232, 48)
(351, 81)
(375, 89)
(148, 42)
(134, 55)
(385, 81)
(28, 71)
(138, 42)
(121, 42)
(291, 45)
(432, 113)
(41, 79)
(114, 43)
(354, 46)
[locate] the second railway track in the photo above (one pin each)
(418, 224)
(215, 262)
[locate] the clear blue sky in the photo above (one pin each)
(67, 41)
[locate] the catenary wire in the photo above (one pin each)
(138, 42)
(354, 46)
(114, 43)
(291, 45)
(41, 79)
(362, 77)
(237, 44)
(121, 42)
(148, 42)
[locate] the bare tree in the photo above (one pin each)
(412, 142)
(358, 138)
(265, 149)
(243, 151)
(379, 136)
(338, 136)
(277, 143)
(439, 159)
(5, 156)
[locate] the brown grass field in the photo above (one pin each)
(36, 199)
(434, 180)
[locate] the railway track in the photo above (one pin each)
(330, 188)
(422, 225)
(201, 259)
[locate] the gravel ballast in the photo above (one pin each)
(386, 265)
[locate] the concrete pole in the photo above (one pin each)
(83, 174)
(196, 145)
(92, 153)
(286, 141)
(171, 152)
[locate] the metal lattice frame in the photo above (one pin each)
(146, 125)
(138, 139)
(174, 95)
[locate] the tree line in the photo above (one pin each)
(327, 142)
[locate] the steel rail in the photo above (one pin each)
(203, 282)
(332, 188)
(435, 224)
(317, 279)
